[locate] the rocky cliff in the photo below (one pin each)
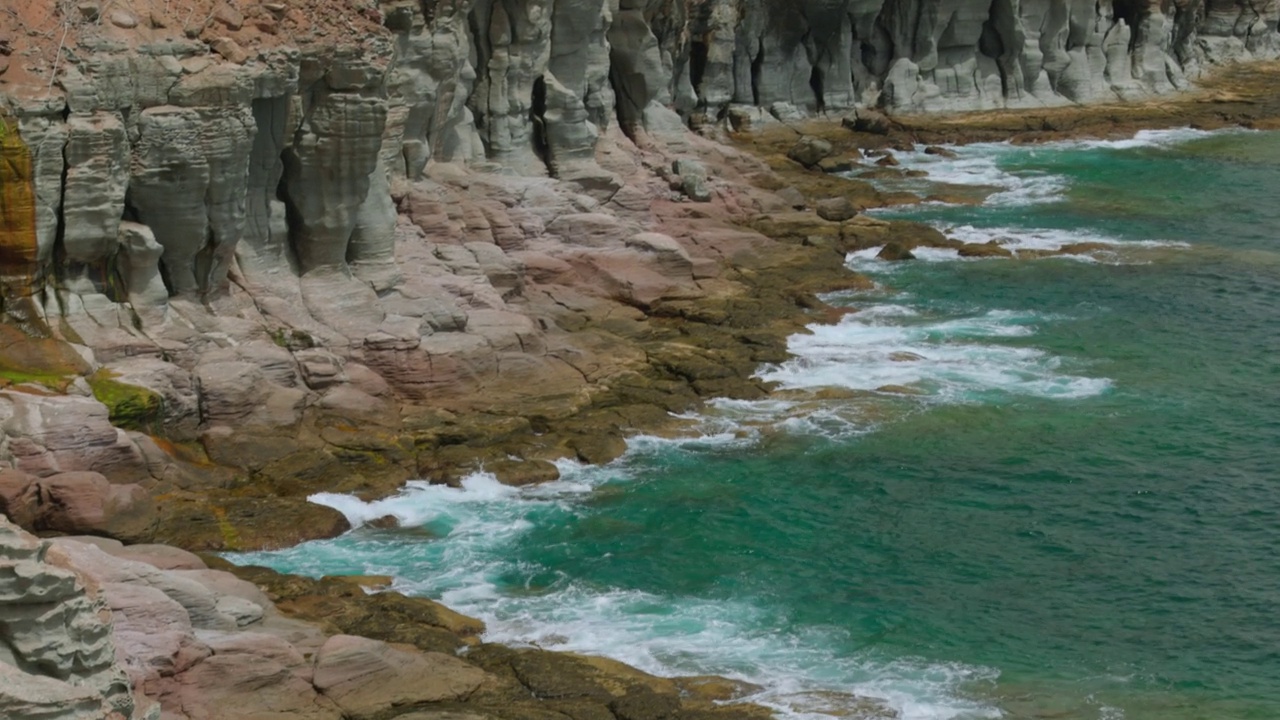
(159, 145)
(290, 236)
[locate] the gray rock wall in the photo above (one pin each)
(57, 657)
(284, 161)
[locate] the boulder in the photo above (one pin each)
(837, 209)
(987, 249)
(369, 678)
(18, 496)
(895, 251)
(810, 150)
(940, 151)
(868, 121)
(164, 557)
(793, 198)
(86, 503)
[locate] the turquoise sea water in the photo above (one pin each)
(1077, 515)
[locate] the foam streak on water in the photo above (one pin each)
(983, 165)
(948, 359)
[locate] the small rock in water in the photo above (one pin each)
(895, 251)
(987, 249)
(835, 165)
(904, 356)
(940, 152)
(386, 522)
(523, 472)
(1081, 248)
(369, 582)
(888, 161)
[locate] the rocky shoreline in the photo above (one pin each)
(435, 247)
(160, 632)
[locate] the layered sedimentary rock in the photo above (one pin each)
(57, 655)
(248, 225)
(284, 161)
(288, 155)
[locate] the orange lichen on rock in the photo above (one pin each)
(18, 249)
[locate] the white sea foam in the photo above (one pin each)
(1016, 240)
(981, 165)
(946, 359)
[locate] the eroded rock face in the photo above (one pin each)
(285, 159)
(175, 166)
(281, 244)
(57, 656)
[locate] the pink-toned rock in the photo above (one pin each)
(53, 434)
(249, 676)
(18, 496)
(85, 502)
(366, 380)
(204, 608)
(164, 557)
(223, 583)
(669, 257)
(590, 230)
(230, 50)
(631, 277)
(228, 17)
(367, 678)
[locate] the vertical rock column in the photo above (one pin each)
(190, 176)
(330, 163)
(97, 176)
(579, 100)
(19, 243)
(19, 252)
(168, 187)
(513, 47)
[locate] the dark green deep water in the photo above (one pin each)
(1080, 514)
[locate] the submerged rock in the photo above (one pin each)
(987, 249)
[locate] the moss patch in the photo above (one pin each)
(11, 376)
(131, 407)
